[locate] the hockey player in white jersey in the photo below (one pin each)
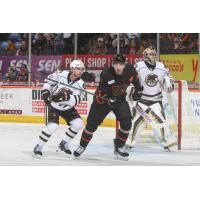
(153, 76)
(61, 101)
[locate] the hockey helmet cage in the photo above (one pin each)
(149, 55)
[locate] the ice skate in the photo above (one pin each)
(79, 151)
(63, 146)
(120, 152)
(167, 149)
(130, 146)
(170, 142)
(37, 152)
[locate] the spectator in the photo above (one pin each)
(113, 49)
(24, 36)
(23, 50)
(50, 43)
(10, 49)
(182, 37)
(39, 44)
(67, 38)
(23, 73)
(124, 43)
(108, 41)
(143, 46)
(100, 47)
(133, 46)
(11, 75)
(193, 45)
(177, 43)
(4, 37)
(166, 43)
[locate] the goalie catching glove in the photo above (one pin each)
(62, 95)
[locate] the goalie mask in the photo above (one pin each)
(149, 55)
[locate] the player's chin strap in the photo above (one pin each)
(81, 90)
(149, 119)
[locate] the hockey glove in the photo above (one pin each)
(46, 96)
(114, 102)
(62, 95)
(137, 95)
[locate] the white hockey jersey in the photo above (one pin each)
(63, 77)
(150, 79)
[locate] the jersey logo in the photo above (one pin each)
(119, 90)
(151, 80)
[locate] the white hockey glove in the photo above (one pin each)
(168, 84)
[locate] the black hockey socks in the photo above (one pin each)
(85, 138)
(121, 137)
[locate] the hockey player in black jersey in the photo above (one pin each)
(110, 96)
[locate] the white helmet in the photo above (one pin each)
(149, 55)
(77, 64)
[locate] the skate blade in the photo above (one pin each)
(129, 148)
(69, 156)
(116, 157)
(37, 156)
(167, 149)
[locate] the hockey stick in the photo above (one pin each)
(149, 119)
(81, 90)
(46, 114)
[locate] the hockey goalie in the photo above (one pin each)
(147, 107)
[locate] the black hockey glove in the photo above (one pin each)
(46, 96)
(137, 95)
(114, 102)
(62, 95)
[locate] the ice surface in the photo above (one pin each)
(18, 140)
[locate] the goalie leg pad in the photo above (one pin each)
(137, 128)
(165, 136)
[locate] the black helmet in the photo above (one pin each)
(119, 58)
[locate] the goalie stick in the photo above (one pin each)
(149, 119)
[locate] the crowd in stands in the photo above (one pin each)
(179, 43)
(14, 44)
(96, 43)
(13, 74)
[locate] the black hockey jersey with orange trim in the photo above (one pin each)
(113, 85)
